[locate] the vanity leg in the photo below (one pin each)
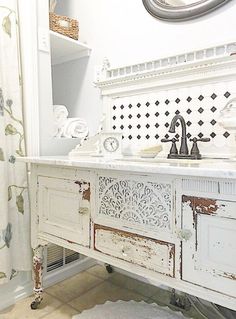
(37, 276)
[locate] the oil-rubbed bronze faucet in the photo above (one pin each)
(183, 146)
(183, 151)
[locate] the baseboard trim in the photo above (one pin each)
(21, 291)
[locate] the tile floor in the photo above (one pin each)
(83, 291)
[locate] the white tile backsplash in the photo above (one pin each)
(144, 119)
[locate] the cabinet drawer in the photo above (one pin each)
(149, 253)
(64, 208)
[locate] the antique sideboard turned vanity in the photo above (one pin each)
(172, 222)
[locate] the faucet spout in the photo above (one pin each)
(183, 147)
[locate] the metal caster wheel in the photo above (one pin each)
(109, 269)
(34, 305)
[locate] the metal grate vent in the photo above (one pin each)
(71, 256)
(57, 257)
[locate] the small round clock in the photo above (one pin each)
(111, 143)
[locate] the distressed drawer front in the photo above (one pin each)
(149, 253)
(136, 202)
(208, 206)
(64, 207)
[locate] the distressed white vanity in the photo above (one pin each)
(170, 221)
(173, 224)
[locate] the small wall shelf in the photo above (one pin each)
(65, 49)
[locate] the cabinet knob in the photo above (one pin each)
(184, 234)
(124, 251)
(83, 210)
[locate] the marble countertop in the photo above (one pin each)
(219, 168)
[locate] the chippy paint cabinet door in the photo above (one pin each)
(209, 255)
(64, 208)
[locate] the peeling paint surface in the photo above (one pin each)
(38, 274)
(68, 208)
(209, 258)
(201, 205)
(84, 188)
(230, 276)
(150, 253)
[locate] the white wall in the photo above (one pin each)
(124, 32)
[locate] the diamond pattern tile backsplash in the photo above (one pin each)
(145, 119)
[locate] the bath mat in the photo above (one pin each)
(129, 310)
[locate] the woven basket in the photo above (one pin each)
(64, 25)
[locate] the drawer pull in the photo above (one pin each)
(83, 210)
(124, 251)
(184, 234)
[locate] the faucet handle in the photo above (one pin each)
(173, 140)
(195, 150)
(203, 139)
(173, 150)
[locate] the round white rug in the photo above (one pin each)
(129, 310)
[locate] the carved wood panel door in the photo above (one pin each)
(209, 254)
(144, 203)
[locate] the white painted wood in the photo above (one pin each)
(196, 73)
(29, 62)
(62, 209)
(142, 203)
(33, 191)
(153, 277)
(184, 58)
(65, 49)
(151, 254)
(209, 258)
(219, 188)
(200, 185)
(227, 187)
(45, 85)
(139, 248)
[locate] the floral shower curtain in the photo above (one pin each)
(14, 206)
